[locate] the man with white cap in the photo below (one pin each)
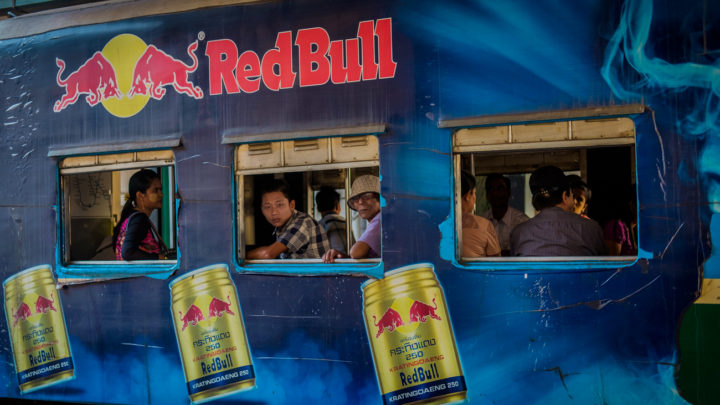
(365, 199)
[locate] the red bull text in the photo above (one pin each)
(37, 329)
(411, 337)
(210, 334)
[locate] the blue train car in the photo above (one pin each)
(221, 98)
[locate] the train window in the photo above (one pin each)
(93, 192)
(494, 165)
(307, 167)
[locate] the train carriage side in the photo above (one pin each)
(221, 101)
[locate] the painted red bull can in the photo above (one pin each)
(211, 334)
(411, 338)
(36, 323)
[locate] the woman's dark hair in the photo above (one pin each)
(139, 181)
(547, 185)
(467, 183)
(576, 182)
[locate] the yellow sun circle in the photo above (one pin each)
(123, 52)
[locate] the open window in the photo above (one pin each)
(601, 152)
(93, 191)
(306, 165)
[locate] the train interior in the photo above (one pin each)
(306, 166)
(93, 196)
(601, 152)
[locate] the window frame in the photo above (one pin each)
(83, 271)
(310, 267)
(526, 265)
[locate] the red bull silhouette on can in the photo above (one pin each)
(36, 324)
(210, 333)
(411, 337)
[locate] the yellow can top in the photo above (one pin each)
(400, 281)
(213, 275)
(29, 278)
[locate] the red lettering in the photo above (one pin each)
(222, 58)
(383, 31)
(345, 68)
(313, 65)
(281, 57)
(248, 72)
(367, 35)
(369, 56)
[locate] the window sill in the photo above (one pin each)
(313, 267)
(96, 270)
(539, 264)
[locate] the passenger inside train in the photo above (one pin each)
(297, 235)
(365, 199)
(556, 230)
(581, 195)
(478, 234)
(328, 203)
(502, 216)
(620, 230)
(135, 237)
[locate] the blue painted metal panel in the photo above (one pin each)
(529, 334)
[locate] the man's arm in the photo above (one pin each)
(359, 250)
(267, 252)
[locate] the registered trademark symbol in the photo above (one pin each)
(201, 35)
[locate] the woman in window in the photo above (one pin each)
(135, 236)
(478, 234)
(581, 195)
(620, 231)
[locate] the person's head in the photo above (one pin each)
(276, 205)
(467, 191)
(550, 187)
(581, 193)
(144, 193)
(146, 190)
(365, 196)
(497, 189)
(327, 200)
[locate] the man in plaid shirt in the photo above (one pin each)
(297, 235)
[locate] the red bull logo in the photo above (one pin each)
(125, 75)
(95, 79)
(42, 306)
(21, 314)
(194, 315)
(419, 312)
(128, 72)
(389, 321)
(156, 69)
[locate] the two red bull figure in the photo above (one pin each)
(97, 79)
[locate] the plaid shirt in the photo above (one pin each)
(303, 237)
